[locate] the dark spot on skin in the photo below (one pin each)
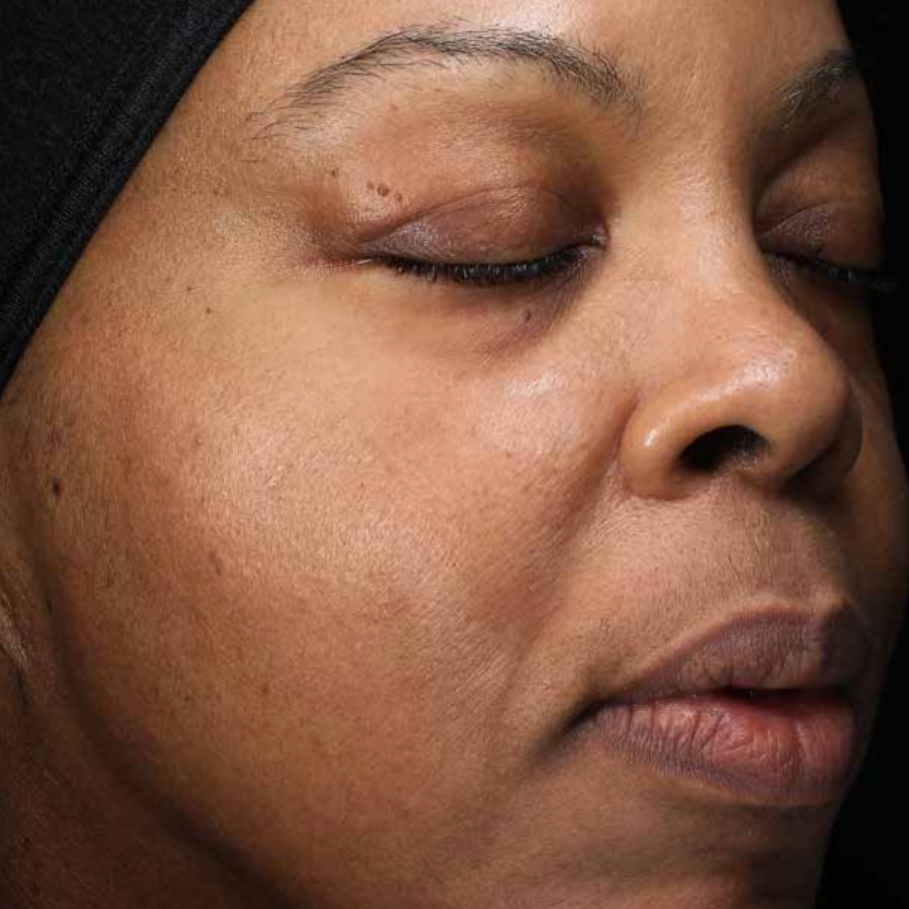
(189, 288)
(216, 562)
(57, 487)
(208, 310)
(383, 190)
(49, 605)
(528, 315)
(335, 172)
(265, 689)
(399, 197)
(23, 703)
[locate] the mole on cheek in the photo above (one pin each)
(57, 487)
(383, 190)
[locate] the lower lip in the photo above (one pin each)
(792, 749)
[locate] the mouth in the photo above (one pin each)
(763, 709)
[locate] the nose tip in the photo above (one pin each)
(795, 422)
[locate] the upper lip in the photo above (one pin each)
(772, 649)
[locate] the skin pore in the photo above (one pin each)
(320, 522)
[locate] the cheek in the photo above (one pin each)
(315, 579)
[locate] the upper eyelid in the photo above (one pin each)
(386, 236)
(835, 232)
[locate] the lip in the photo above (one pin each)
(796, 744)
(798, 751)
(772, 649)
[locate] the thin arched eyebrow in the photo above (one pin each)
(592, 73)
(312, 99)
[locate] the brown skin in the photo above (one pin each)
(306, 568)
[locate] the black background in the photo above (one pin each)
(866, 864)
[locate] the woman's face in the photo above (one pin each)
(333, 549)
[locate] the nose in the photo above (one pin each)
(781, 418)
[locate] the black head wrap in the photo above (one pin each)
(85, 86)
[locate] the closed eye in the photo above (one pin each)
(560, 264)
(568, 261)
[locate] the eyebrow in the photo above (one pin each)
(816, 87)
(593, 73)
(306, 102)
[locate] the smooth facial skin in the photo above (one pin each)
(307, 563)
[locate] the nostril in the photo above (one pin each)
(736, 443)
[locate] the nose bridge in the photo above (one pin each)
(760, 395)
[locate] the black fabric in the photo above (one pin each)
(848, 884)
(85, 86)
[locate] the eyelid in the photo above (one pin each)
(501, 225)
(839, 231)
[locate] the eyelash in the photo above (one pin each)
(540, 271)
(877, 282)
(565, 262)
